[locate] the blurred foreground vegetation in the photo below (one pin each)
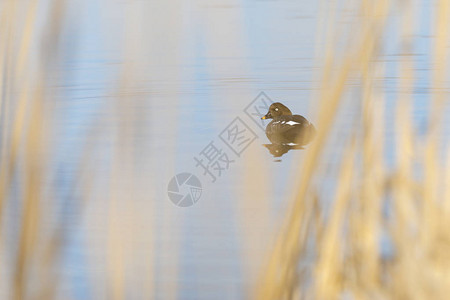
(404, 207)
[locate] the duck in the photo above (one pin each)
(286, 128)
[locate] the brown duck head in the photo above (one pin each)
(277, 109)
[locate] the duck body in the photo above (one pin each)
(286, 129)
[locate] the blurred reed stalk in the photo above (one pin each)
(349, 259)
(25, 121)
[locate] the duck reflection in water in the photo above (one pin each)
(287, 131)
(277, 150)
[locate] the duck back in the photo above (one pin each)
(294, 129)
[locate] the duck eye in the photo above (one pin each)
(276, 109)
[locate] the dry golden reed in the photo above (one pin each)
(349, 260)
(344, 232)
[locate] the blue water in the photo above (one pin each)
(191, 68)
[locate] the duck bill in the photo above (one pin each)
(267, 116)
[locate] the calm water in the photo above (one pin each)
(191, 68)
